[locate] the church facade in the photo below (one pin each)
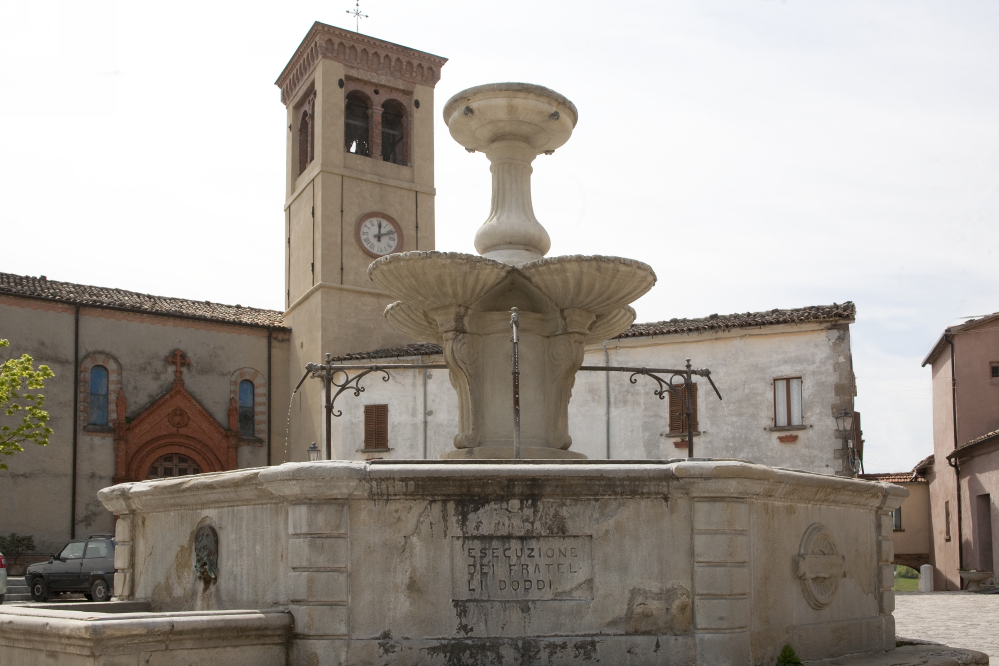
(151, 387)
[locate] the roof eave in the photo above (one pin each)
(937, 348)
(101, 306)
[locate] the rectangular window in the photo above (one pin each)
(896, 519)
(787, 401)
(994, 372)
(678, 413)
(376, 426)
(947, 521)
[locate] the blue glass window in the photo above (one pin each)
(246, 414)
(98, 395)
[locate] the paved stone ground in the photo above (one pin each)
(958, 619)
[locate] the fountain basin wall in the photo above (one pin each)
(699, 562)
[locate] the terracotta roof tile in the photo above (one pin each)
(834, 312)
(978, 440)
(894, 477)
(716, 322)
(120, 299)
(416, 349)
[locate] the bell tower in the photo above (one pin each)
(359, 184)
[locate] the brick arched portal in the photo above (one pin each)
(149, 452)
(174, 423)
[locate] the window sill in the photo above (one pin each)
(251, 441)
(898, 530)
(98, 428)
(385, 450)
(786, 428)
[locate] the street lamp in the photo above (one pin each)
(844, 423)
(314, 452)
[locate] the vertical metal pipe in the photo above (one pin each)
(515, 324)
(607, 398)
(270, 398)
(75, 420)
(689, 408)
(956, 465)
(327, 383)
(424, 371)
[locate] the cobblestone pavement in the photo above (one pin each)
(957, 619)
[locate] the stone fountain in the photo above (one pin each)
(484, 558)
(463, 302)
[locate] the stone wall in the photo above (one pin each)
(685, 563)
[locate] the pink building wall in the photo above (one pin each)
(976, 348)
(943, 481)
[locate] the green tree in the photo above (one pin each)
(22, 405)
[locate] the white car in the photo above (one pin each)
(3, 577)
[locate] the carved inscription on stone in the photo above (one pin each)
(502, 568)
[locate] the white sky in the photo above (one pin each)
(757, 154)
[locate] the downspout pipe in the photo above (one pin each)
(75, 419)
(424, 372)
(953, 462)
(270, 397)
(607, 403)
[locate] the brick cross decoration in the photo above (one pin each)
(178, 359)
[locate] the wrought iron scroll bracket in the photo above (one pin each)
(351, 384)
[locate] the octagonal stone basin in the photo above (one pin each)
(683, 563)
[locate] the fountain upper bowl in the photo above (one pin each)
(482, 115)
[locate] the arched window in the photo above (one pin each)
(356, 124)
(98, 396)
(172, 464)
(246, 414)
(393, 144)
(304, 141)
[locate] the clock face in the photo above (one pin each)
(378, 234)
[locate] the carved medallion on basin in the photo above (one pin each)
(819, 566)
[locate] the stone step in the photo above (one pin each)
(8, 597)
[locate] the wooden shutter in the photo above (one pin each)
(376, 426)
(677, 415)
(858, 436)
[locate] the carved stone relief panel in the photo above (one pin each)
(819, 566)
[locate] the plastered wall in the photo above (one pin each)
(36, 493)
(743, 365)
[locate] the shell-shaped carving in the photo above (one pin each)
(411, 321)
(596, 284)
(608, 325)
(430, 280)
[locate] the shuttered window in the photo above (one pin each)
(677, 413)
(787, 401)
(376, 426)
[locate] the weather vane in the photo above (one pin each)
(356, 13)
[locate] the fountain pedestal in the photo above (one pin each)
(463, 302)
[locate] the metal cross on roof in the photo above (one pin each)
(356, 13)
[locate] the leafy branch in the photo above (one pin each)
(22, 404)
